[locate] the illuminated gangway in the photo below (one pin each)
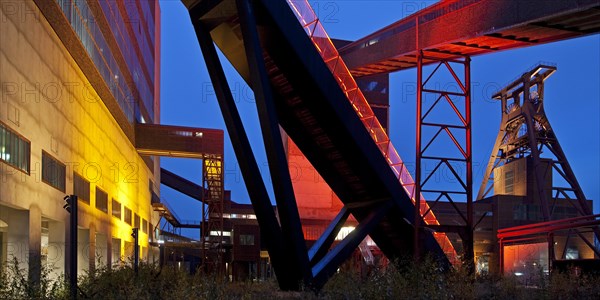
(456, 28)
(314, 29)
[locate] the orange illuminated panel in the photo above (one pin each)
(314, 197)
(311, 24)
(525, 259)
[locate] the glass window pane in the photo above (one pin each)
(14, 150)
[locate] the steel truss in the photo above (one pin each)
(526, 132)
(460, 186)
(291, 260)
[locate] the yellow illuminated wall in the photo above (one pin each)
(47, 99)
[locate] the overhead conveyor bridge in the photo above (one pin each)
(303, 86)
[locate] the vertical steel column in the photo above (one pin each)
(417, 220)
(278, 166)
(265, 214)
(469, 254)
(204, 228)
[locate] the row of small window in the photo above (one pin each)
(15, 151)
(81, 188)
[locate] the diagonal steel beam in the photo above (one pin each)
(329, 264)
(265, 214)
(322, 245)
(294, 242)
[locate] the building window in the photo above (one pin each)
(53, 172)
(81, 188)
(509, 182)
(116, 209)
(127, 215)
(144, 226)
(101, 200)
(246, 239)
(136, 221)
(14, 150)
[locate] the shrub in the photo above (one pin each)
(399, 280)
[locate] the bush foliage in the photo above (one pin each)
(407, 280)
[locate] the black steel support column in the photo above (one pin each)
(278, 165)
(265, 214)
(468, 243)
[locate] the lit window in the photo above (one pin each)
(14, 150)
(218, 233)
(53, 172)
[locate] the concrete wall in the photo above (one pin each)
(46, 98)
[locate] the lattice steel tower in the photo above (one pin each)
(525, 132)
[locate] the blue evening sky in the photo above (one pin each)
(572, 95)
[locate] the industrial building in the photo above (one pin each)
(80, 115)
(76, 78)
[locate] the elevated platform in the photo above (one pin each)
(470, 27)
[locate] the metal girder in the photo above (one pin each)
(289, 217)
(329, 264)
(203, 7)
(471, 25)
(322, 245)
(315, 110)
(265, 215)
(181, 184)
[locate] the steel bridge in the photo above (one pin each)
(303, 86)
